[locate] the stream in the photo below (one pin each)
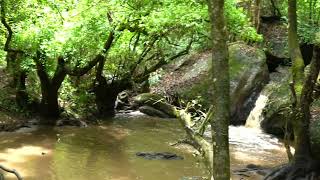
(108, 151)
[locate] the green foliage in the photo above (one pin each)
(146, 32)
(308, 20)
(239, 24)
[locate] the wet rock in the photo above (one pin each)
(122, 101)
(71, 122)
(277, 110)
(159, 156)
(252, 171)
(153, 112)
(157, 102)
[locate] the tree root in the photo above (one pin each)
(13, 171)
(308, 171)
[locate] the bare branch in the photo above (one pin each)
(162, 62)
(13, 171)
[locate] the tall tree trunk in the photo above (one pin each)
(303, 164)
(106, 92)
(301, 110)
(257, 10)
(221, 88)
(49, 104)
(49, 107)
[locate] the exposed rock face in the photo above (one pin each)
(190, 80)
(275, 36)
(277, 109)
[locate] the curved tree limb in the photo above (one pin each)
(9, 30)
(13, 171)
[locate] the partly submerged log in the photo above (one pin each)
(194, 131)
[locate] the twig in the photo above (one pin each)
(13, 171)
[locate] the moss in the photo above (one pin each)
(242, 58)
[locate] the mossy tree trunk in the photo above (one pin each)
(303, 88)
(49, 107)
(221, 92)
(303, 164)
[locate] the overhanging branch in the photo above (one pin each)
(9, 30)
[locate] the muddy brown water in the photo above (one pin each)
(107, 151)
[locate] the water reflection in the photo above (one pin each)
(98, 152)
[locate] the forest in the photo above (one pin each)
(160, 89)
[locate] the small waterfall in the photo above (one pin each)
(255, 116)
(250, 144)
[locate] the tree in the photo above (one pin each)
(221, 92)
(303, 164)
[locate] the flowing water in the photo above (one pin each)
(107, 151)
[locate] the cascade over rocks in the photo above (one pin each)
(277, 107)
(188, 79)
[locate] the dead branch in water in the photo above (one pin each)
(13, 171)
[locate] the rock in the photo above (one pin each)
(189, 80)
(276, 110)
(159, 156)
(155, 101)
(122, 101)
(71, 122)
(252, 171)
(153, 112)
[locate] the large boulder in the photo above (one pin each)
(153, 105)
(276, 111)
(188, 79)
(148, 110)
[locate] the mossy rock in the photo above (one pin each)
(155, 102)
(279, 100)
(248, 75)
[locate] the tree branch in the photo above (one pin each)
(59, 74)
(143, 77)
(41, 70)
(82, 71)
(10, 32)
(13, 171)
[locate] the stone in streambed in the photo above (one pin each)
(159, 156)
(153, 112)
